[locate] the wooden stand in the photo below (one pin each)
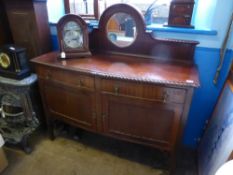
(17, 132)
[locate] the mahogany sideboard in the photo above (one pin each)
(134, 99)
(139, 93)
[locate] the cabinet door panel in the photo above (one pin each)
(75, 105)
(24, 34)
(146, 121)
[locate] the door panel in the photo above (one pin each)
(72, 104)
(24, 34)
(154, 122)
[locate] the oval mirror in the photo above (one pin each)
(121, 29)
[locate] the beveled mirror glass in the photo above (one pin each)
(121, 29)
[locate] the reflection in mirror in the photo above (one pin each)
(121, 29)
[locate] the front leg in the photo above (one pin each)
(50, 126)
(25, 145)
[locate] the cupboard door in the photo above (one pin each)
(5, 34)
(74, 105)
(150, 122)
(29, 25)
(25, 32)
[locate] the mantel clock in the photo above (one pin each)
(73, 37)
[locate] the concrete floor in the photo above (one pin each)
(91, 155)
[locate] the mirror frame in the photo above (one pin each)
(146, 44)
(121, 8)
(116, 42)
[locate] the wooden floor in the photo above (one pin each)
(92, 155)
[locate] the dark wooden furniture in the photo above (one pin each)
(140, 93)
(129, 98)
(29, 25)
(180, 14)
(5, 34)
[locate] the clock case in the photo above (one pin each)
(73, 52)
(19, 66)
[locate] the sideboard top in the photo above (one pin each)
(127, 68)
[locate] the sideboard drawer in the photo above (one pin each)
(66, 77)
(145, 91)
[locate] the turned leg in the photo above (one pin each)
(172, 163)
(50, 125)
(25, 145)
(75, 133)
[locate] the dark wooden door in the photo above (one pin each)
(74, 105)
(29, 25)
(25, 32)
(145, 121)
(5, 34)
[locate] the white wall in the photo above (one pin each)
(218, 20)
(210, 14)
(55, 10)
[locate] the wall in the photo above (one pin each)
(207, 60)
(217, 144)
(203, 14)
(55, 11)
(206, 96)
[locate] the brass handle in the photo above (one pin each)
(80, 83)
(116, 90)
(93, 115)
(165, 96)
(103, 116)
(48, 75)
(187, 16)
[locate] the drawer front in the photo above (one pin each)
(70, 104)
(182, 9)
(144, 91)
(146, 122)
(66, 77)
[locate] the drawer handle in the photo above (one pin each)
(116, 90)
(93, 115)
(48, 76)
(80, 84)
(165, 96)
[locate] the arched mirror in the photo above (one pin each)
(121, 29)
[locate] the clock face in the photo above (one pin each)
(72, 35)
(4, 60)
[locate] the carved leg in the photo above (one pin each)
(172, 163)
(75, 133)
(25, 145)
(50, 124)
(27, 106)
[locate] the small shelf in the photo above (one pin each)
(161, 28)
